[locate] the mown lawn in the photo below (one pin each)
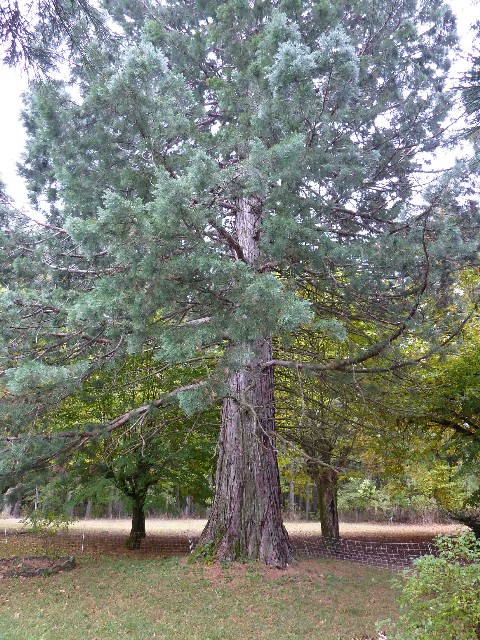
(114, 598)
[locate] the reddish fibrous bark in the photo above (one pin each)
(246, 519)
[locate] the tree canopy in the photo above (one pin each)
(32, 32)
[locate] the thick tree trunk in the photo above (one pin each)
(327, 502)
(188, 510)
(314, 498)
(89, 510)
(8, 502)
(138, 524)
(246, 519)
(17, 507)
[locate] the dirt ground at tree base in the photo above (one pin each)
(221, 573)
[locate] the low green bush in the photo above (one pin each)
(440, 597)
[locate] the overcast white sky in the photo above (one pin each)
(13, 82)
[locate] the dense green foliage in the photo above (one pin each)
(162, 452)
(440, 597)
(31, 33)
(144, 211)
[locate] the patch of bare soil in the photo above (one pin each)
(308, 571)
(34, 566)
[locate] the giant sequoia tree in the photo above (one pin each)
(226, 174)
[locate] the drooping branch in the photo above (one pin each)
(77, 439)
(376, 350)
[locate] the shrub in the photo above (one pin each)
(440, 597)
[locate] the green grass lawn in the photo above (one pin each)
(114, 598)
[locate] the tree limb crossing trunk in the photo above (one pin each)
(246, 519)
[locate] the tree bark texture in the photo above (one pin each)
(188, 509)
(138, 524)
(17, 507)
(88, 510)
(246, 519)
(327, 502)
(11, 503)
